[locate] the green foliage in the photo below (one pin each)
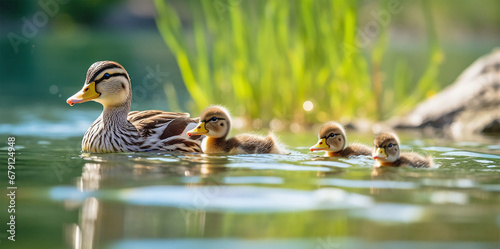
(264, 59)
(404, 95)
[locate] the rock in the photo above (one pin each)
(470, 105)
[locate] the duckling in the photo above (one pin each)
(215, 124)
(117, 129)
(387, 153)
(332, 140)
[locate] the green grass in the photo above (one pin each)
(264, 59)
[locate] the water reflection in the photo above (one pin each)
(91, 177)
(109, 168)
(449, 183)
(399, 213)
(392, 178)
(165, 196)
(81, 235)
(295, 243)
(196, 186)
(385, 173)
(449, 197)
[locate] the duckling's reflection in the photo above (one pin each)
(205, 165)
(384, 174)
(195, 215)
(333, 172)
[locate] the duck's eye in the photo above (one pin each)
(331, 135)
(390, 145)
(214, 119)
(105, 76)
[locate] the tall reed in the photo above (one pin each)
(266, 59)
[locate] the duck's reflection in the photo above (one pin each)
(81, 235)
(210, 175)
(98, 222)
(384, 174)
(91, 177)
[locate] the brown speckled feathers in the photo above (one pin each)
(413, 159)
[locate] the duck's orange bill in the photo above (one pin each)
(321, 145)
(199, 130)
(87, 93)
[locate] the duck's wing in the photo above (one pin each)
(154, 114)
(166, 130)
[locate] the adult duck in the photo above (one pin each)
(119, 130)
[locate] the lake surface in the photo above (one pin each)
(66, 199)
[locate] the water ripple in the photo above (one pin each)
(276, 166)
(253, 180)
(293, 243)
(470, 154)
(245, 199)
(367, 184)
(401, 213)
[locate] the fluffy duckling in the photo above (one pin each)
(332, 140)
(215, 124)
(387, 153)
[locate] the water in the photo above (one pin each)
(66, 199)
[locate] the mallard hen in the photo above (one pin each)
(117, 129)
(333, 140)
(215, 124)
(388, 153)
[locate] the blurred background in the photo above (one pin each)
(277, 64)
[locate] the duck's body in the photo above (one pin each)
(387, 153)
(332, 139)
(353, 149)
(119, 130)
(141, 131)
(215, 124)
(412, 159)
(241, 144)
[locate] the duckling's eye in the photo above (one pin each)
(105, 76)
(390, 145)
(214, 119)
(331, 135)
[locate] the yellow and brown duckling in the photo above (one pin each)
(215, 124)
(388, 153)
(117, 129)
(333, 140)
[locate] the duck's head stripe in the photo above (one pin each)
(101, 69)
(111, 75)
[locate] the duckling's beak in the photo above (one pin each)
(199, 130)
(87, 93)
(321, 145)
(380, 154)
